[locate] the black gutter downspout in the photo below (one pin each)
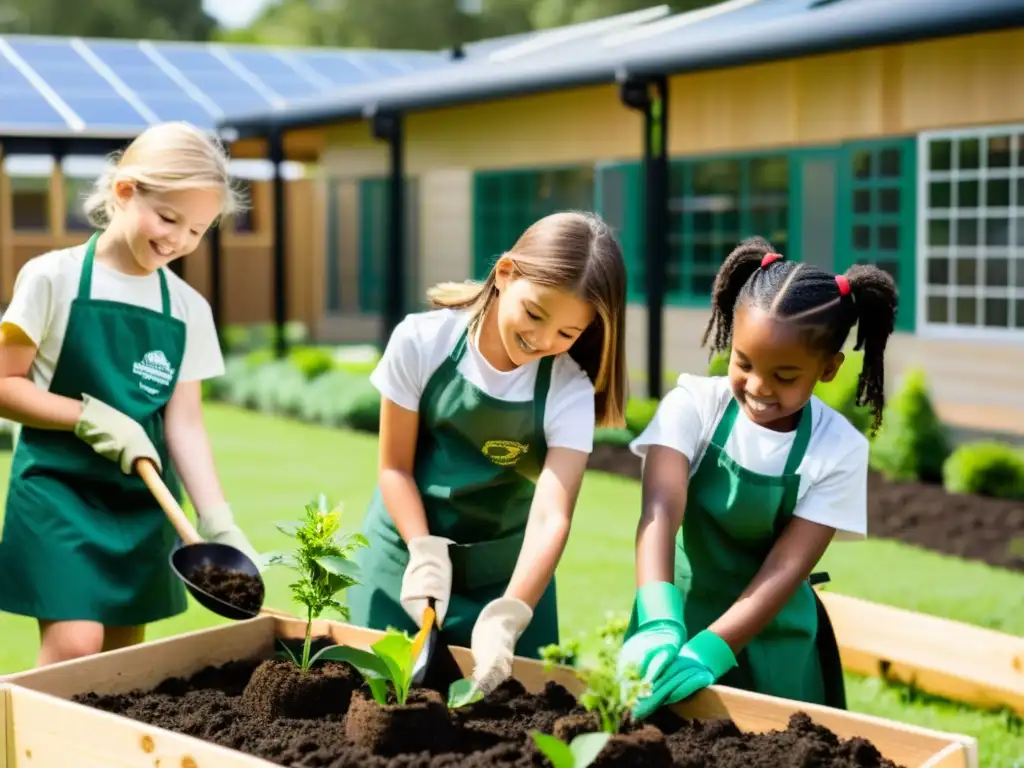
(275, 149)
(649, 95)
(387, 126)
(216, 286)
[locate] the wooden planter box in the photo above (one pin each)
(46, 731)
(946, 658)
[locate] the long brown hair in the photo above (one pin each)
(575, 252)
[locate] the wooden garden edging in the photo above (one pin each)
(58, 733)
(957, 661)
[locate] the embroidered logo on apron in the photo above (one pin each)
(154, 369)
(504, 453)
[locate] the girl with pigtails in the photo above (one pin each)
(748, 478)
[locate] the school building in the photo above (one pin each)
(846, 131)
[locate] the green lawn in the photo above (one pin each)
(271, 468)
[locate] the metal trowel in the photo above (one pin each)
(435, 667)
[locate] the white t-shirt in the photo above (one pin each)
(47, 284)
(422, 341)
(833, 473)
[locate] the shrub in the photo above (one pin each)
(986, 468)
(719, 363)
(613, 436)
(311, 362)
(639, 412)
(275, 386)
(912, 443)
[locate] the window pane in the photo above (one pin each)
(966, 308)
(1019, 317)
(997, 313)
(937, 309)
(30, 203)
(967, 194)
(862, 201)
(889, 237)
(968, 154)
(890, 163)
(938, 232)
(966, 272)
(999, 151)
(862, 165)
(966, 231)
(997, 193)
(938, 271)
(940, 155)
(889, 200)
(940, 194)
(997, 231)
(997, 272)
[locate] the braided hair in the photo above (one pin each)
(828, 305)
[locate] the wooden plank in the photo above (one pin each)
(945, 658)
(146, 665)
(49, 732)
(6, 758)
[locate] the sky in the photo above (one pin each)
(234, 13)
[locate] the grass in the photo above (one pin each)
(271, 468)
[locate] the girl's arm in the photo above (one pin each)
(399, 428)
(665, 479)
(20, 399)
(789, 564)
(547, 528)
(189, 446)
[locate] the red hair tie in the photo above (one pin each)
(844, 285)
(769, 258)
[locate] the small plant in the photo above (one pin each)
(391, 662)
(322, 558)
(565, 654)
(583, 750)
(462, 693)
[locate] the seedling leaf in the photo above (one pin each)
(289, 527)
(586, 747)
(379, 689)
(368, 664)
(338, 566)
(554, 749)
(462, 693)
(286, 653)
(395, 649)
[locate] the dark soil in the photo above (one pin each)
(239, 589)
(976, 528)
(228, 706)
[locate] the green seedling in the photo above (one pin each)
(565, 654)
(322, 557)
(390, 662)
(462, 693)
(583, 750)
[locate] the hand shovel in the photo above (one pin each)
(435, 667)
(195, 553)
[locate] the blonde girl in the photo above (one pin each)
(102, 353)
(488, 408)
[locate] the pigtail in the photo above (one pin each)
(737, 268)
(875, 301)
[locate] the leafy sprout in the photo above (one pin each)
(322, 557)
(581, 752)
(391, 662)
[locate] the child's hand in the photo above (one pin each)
(494, 638)
(701, 662)
(217, 524)
(114, 435)
(428, 574)
(660, 630)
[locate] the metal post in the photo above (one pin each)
(649, 95)
(387, 126)
(275, 147)
(216, 286)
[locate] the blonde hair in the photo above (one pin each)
(164, 158)
(576, 252)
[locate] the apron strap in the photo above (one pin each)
(724, 428)
(800, 442)
(85, 278)
(540, 393)
(460, 346)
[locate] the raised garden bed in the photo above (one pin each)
(971, 527)
(223, 686)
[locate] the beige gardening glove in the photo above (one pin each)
(428, 574)
(494, 638)
(217, 524)
(114, 435)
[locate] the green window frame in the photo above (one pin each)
(618, 199)
(507, 202)
(877, 214)
(374, 233)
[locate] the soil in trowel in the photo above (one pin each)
(233, 587)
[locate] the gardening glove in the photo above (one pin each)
(699, 664)
(660, 631)
(114, 435)
(217, 524)
(494, 639)
(428, 574)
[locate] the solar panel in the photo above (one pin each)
(22, 105)
(229, 86)
(275, 71)
(85, 91)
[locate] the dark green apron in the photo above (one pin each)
(82, 540)
(476, 467)
(732, 520)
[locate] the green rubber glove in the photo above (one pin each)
(701, 662)
(660, 630)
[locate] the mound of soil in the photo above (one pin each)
(233, 587)
(976, 528)
(216, 705)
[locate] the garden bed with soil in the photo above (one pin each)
(225, 686)
(971, 527)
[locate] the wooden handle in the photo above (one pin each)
(151, 477)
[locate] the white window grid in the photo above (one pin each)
(1013, 291)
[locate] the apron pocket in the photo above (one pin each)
(484, 564)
